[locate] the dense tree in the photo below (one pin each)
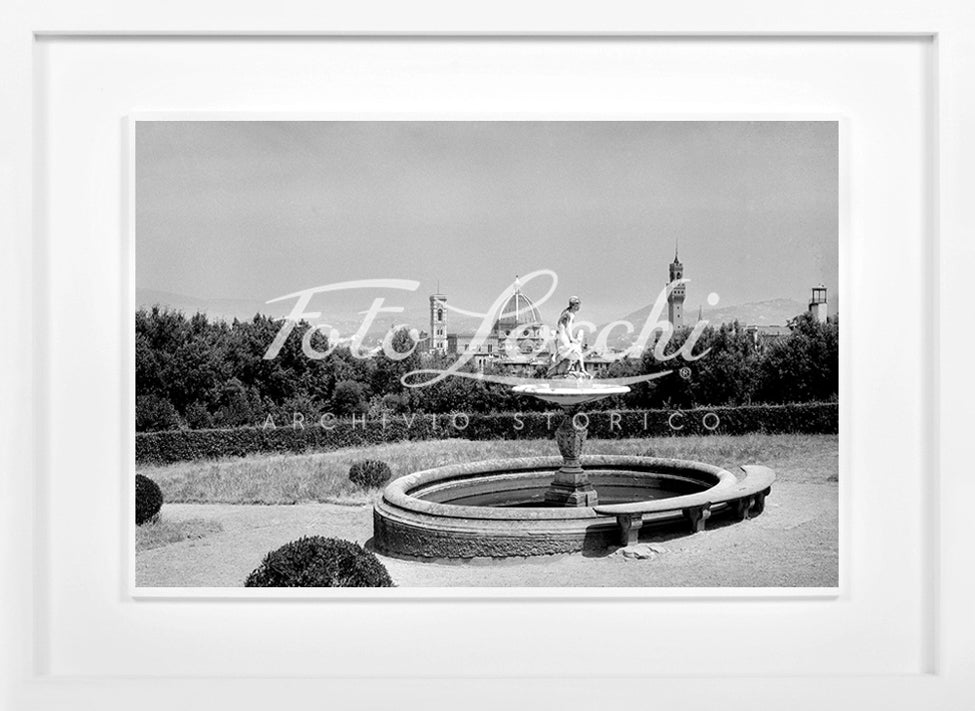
(196, 373)
(155, 413)
(348, 398)
(387, 372)
(803, 367)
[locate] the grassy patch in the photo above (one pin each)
(161, 532)
(323, 477)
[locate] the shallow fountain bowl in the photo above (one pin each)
(496, 507)
(568, 393)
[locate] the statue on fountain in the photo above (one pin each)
(570, 485)
(568, 360)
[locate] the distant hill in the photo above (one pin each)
(773, 312)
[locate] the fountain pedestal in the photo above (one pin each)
(571, 485)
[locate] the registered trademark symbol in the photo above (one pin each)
(685, 373)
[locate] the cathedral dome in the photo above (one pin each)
(518, 310)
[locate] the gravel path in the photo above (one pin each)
(794, 543)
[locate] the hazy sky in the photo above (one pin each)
(255, 210)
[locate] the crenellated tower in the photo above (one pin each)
(675, 300)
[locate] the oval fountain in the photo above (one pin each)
(545, 505)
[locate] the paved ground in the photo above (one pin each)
(794, 543)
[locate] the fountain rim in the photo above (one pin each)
(398, 493)
(567, 393)
(570, 387)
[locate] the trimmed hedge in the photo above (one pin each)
(318, 562)
(370, 473)
(188, 445)
(148, 499)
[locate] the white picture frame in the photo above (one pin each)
(903, 647)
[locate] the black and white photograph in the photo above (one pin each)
(486, 354)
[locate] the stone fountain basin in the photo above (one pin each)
(570, 393)
(496, 507)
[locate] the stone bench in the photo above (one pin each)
(745, 499)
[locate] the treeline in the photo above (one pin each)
(193, 373)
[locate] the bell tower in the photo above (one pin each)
(438, 322)
(675, 300)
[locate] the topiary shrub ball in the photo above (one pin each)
(370, 473)
(318, 562)
(148, 499)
